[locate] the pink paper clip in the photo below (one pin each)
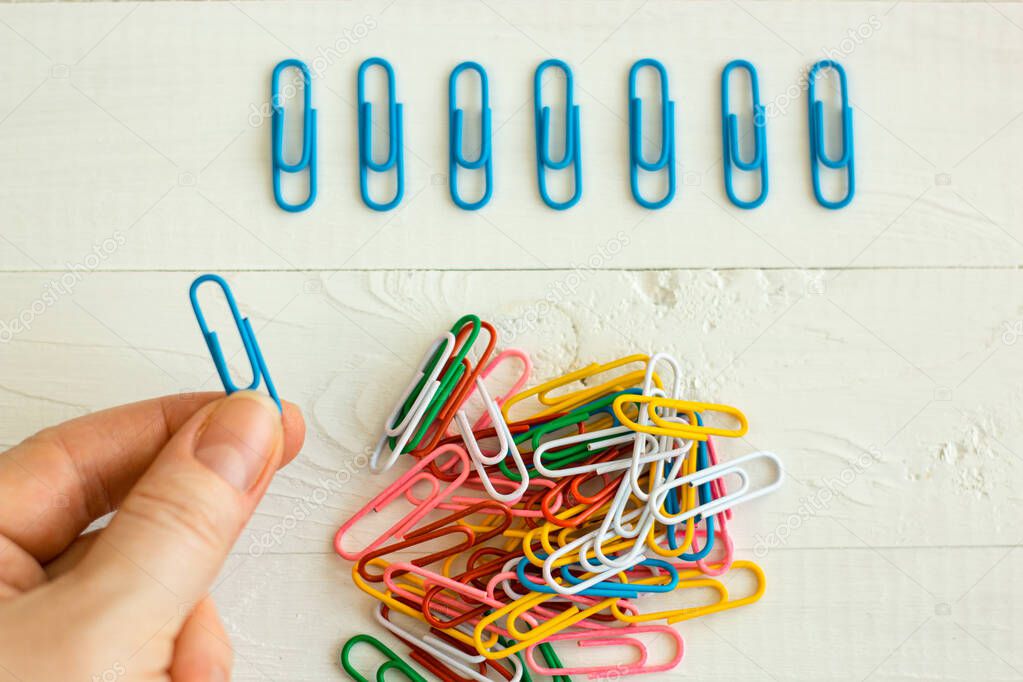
(460, 502)
(527, 368)
(610, 637)
(721, 562)
(396, 489)
(717, 486)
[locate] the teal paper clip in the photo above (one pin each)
(396, 152)
(256, 362)
(456, 157)
(307, 160)
(666, 160)
(573, 144)
(818, 149)
(731, 156)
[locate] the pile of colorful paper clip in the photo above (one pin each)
(550, 527)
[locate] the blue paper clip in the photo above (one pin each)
(307, 161)
(603, 589)
(672, 505)
(818, 150)
(256, 362)
(396, 154)
(573, 143)
(667, 158)
(484, 159)
(730, 151)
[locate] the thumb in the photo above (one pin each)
(167, 542)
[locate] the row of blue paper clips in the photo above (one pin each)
(571, 158)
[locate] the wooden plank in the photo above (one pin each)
(150, 121)
(883, 391)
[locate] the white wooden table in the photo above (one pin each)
(878, 348)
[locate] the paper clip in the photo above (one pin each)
(607, 588)
(396, 150)
(696, 580)
(448, 654)
(610, 636)
(413, 610)
(256, 362)
(667, 158)
(439, 583)
(573, 143)
(506, 448)
(624, 498)
(457, 158)
(413, 403)
(663, 426)
(426, 536)
(307, 161)
(731, 155)
(397, 488)
(456, 384)
(393, 662)
(523, 377)
(818, 149)
(591, 389)
(734, 497)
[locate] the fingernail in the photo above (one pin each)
(239, 437)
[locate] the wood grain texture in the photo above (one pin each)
(877, 349)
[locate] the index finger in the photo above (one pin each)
(55, 483)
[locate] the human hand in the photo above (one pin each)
(130, 602)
